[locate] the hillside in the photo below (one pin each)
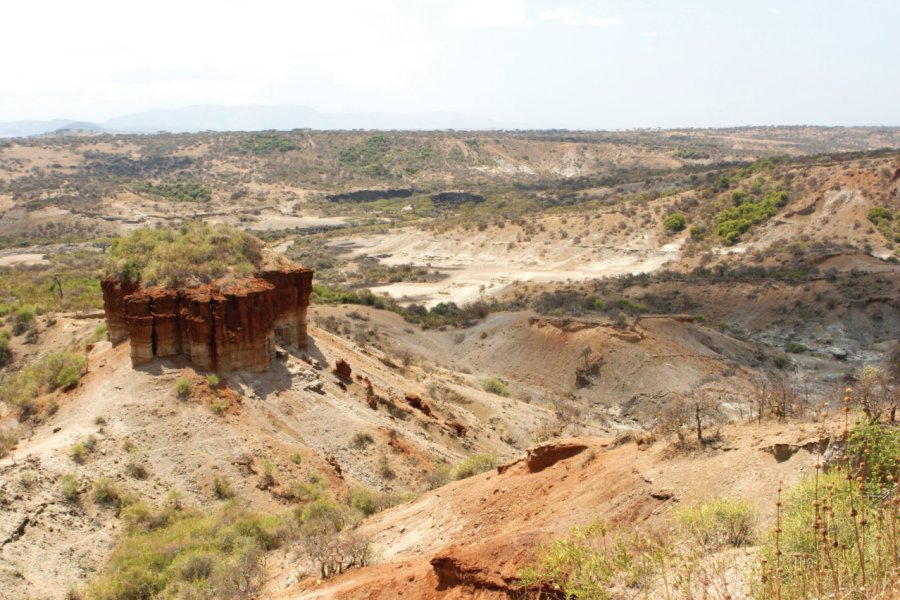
(511, 334)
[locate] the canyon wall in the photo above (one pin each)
(224, 326)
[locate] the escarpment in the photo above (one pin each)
(221, 326)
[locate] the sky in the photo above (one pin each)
(592, 64)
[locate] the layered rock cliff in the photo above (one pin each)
(293, 286)
(223, 326)
(113, 294)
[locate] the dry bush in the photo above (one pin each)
(876, 392)
(776, 399)
(689, 417)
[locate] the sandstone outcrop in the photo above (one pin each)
(113, 294)
(342, 369)
(222, 326)
(293, 286)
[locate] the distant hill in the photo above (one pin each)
(258, 117)
(29, 128)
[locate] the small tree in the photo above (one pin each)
(674, 222)
(877, 394)
(693, 411)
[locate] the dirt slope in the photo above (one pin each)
(468, 539)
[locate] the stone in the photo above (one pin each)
(223, 326)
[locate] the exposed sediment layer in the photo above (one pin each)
(224, 326)
(113, 293)
(293, 286)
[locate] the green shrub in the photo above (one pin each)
(181, 190)
(475, 464)
(732, 222)
(60, 369)
(593, 562)
(212, 379)
(78, 452)
(781, 361)
(68, 487)
(630, 306)
(878, 446)
(698, 232)
(194, 252)
(265, 143)
(366, 501)
(98, 335)
(106, 492)
(879, 213)
(597, 304)
(219, 407)
(827, 539)
(24, 315)
(222, 488)
(182, 388)
(314, 488)
(296, 458)
(674, 223)
(795, 348)
(8, 440)
(323, 515)
(5, 352)
(495, 386)
(718, 522)
(190, 554)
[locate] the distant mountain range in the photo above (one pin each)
(257, 117)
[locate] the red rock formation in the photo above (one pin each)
(139, 321)
(342, 369)
(232, 327)
(113, 293)
(419, 404)
(293, 286)
(224, 326)
(541, 457)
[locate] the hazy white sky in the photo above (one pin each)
(593, 63)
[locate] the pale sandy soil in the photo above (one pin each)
(481, 264)
(269, 222)
(23, 260)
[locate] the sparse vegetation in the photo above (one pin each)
(718, 522)
(496, 386)
(68, 487)
(674, 223)
(8, 440)
(23, 389)
(182, 388)
(747, 211)
(180, 190)
(5, 352)
(106, 492)
(78, 452)
(222, 488)
(475, 464)
(592, 562)
(195, 253)
(179, 554)
(265, 143)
